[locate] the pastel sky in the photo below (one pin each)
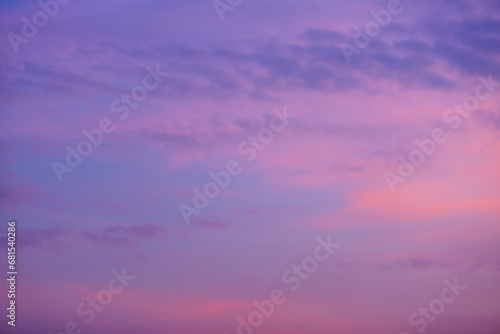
(324, 175)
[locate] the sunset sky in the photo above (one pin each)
(220, 80)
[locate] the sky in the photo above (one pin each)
(251, 167)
